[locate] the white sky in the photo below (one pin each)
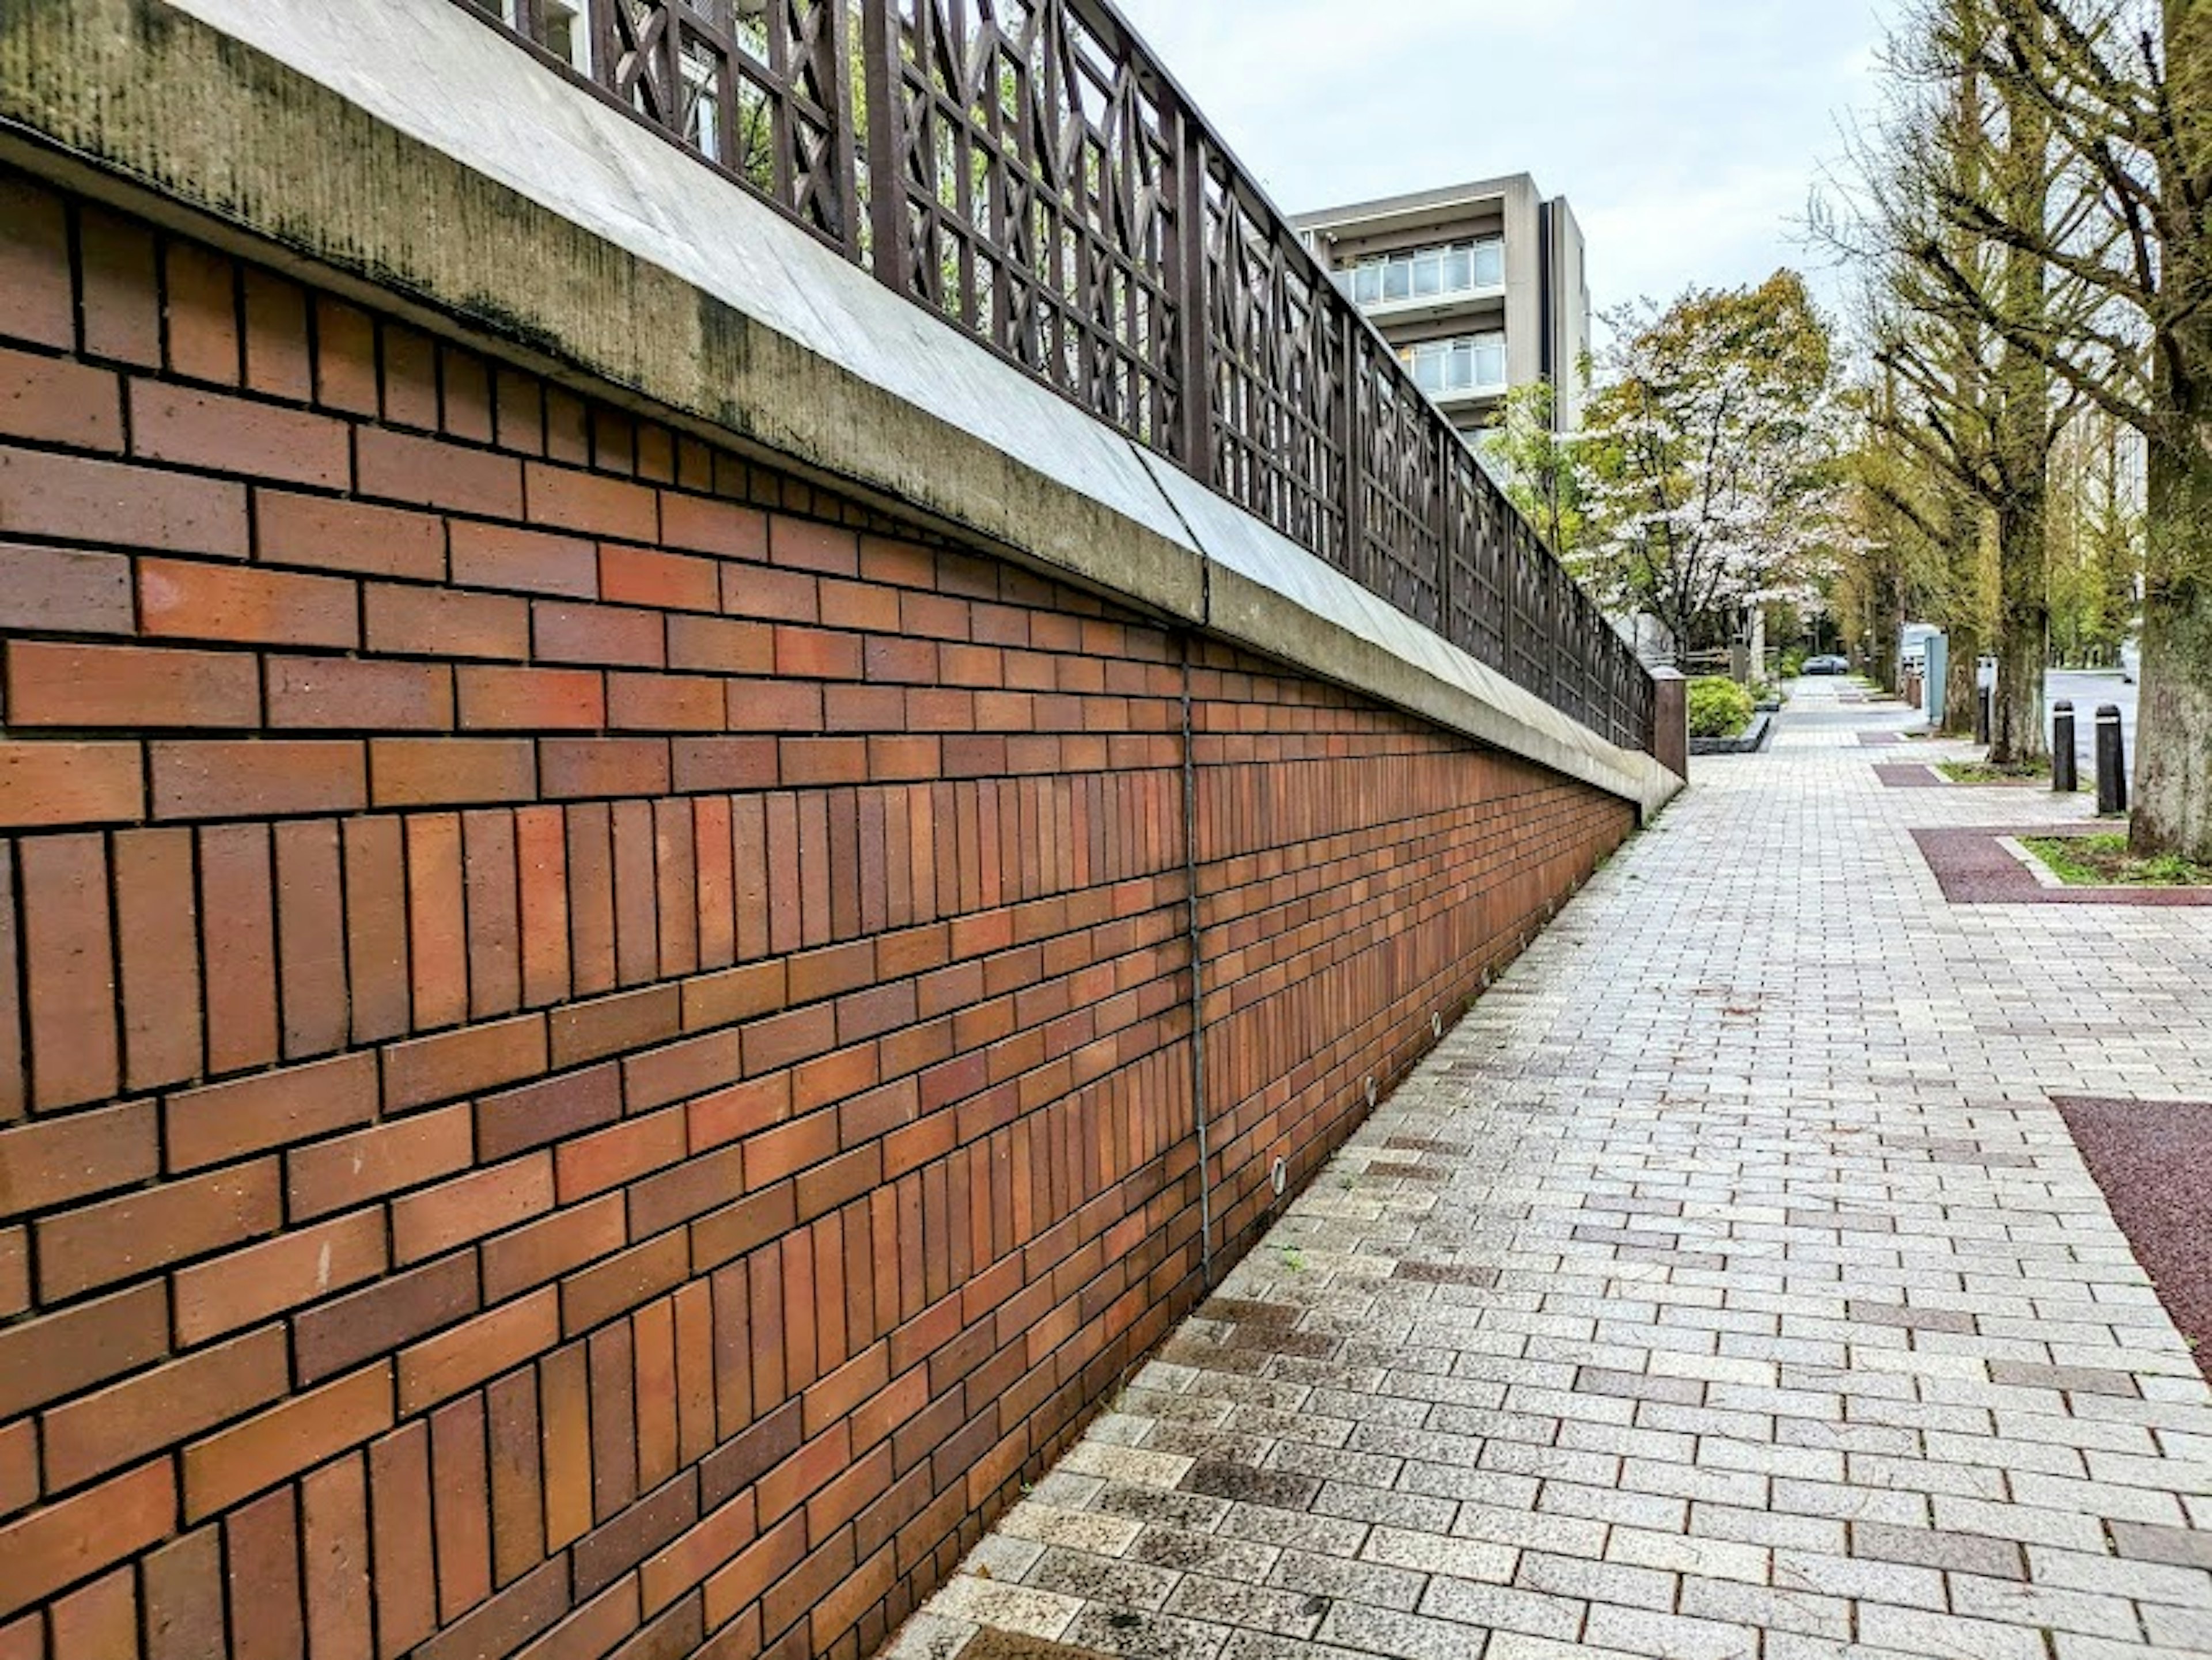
(1687, 134)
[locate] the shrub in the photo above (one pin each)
(1718, 708)
(1793, 662)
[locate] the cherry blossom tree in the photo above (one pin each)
(1712, 455)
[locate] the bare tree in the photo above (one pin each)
(2125, 88)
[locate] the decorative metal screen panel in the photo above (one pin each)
(1034, 203)
(1477, 522)
(1025, 170)
(1402, 555)
(1274, 371)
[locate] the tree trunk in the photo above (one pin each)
(2017, 737)
(2173, 728)
(1963, 621)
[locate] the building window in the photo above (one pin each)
(1429, 273)
(1474, 362)
(561, 28)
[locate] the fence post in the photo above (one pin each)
(1354, 436)
(2064, 778)
(886, 184)
(1193, 360)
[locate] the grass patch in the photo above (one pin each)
(1981, 772)
(2103, 862)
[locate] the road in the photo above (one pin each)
(2086, 692)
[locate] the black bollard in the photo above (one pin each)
(2111, 761)
(2064, 778)
(1981, 714)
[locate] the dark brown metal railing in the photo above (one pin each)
(1029, 171)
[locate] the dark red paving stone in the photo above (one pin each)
(989, 1643)
(1882, 740)
(1900, 776)
(2074, 1380)
(1408, 1172)
(1972, 869)
(1953, 1321)
(2154, 1160)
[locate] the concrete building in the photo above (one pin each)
(1481, 286)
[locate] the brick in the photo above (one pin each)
(518, 1485)
(15, 1272)
(85, 1249)
(400, 1532)
(101, 1618)
(665, 702)
(547, 1111)
(593, 503)
(183, 1583)
(620, 1283)
(252, 1115)
(347, 536)
(56, 685)
(230, 778)
(379, 975)
(69, 968)
(422, 772)
(340, 1334)
(311, 939)
(247, 606)
(45, 784)
(70, 1541)
(443, 623)
(120, 289)
(296, 1268)
(55, 400)
(397, 466)
(532, 699)
(545, 1249)
(526, 560)
(617, 1156)
(345, 356)
(53, 1163)
(576, 769)
(459, 1485)
(471, 1355)
(156, 916)
(613, 636)
(343, 694)
(278, 361)
(484, 1202)
(665, 582)
(464, 1062)
(410, 378)
(237, 434)
(55, 591)
(201, 288)
(95, 1433)
(706, 524)
(437, 954)
(307, 1430)
(723, 765)
(35, 302)
(335, 1560)
(81, 499)
(58, 1354)
(716, 645)
(609, 1025)
(350, 1170)
(806, 545)
(239, 946)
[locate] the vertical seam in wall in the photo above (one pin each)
(1197, 978)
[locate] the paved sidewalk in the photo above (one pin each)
(1746, 1297)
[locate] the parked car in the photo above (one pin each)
(1826, 665)
(2130, 659)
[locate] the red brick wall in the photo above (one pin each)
(594, 1044)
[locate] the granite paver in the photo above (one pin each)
(1726, 1284)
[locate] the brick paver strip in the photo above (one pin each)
(1763, 1305)
(1911, 776)
(1973, 868)
(2153, 1161)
